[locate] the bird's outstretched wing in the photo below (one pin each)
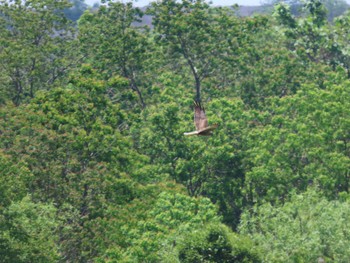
(200, 119)
(208, 130)
(201, 122)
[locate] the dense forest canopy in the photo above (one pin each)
(94, 166)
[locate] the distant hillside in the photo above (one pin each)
(251, 10)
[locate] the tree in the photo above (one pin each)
(72, 143)
(114, 46)
(312, 38)
(334, 8)
(304, 229)
(28, 232)
(210, 47)
(300, 144)
(36, 46)
(13, 178)
(186, 27)
(172, 215)
(216, 243)
(209, 167)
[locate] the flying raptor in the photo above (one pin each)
(201, 122)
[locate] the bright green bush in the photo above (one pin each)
(302, 230)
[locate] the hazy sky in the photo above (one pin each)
(215, 2)
(141, 3)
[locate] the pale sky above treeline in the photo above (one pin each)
(141, 3)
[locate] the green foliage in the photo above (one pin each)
(186, 27)
(312, 38)
(215, 243)
(205, 40)
(302, 143)
(172, 213)
(330, 8)
(28, 232)
(13, 178)
(75, 150)
(36, 46)
(209, 166)
(93, 158)
(303, 229)
(113, 46)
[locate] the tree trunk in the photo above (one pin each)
(193, 69)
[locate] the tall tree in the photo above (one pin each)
(185, 27)
(114, 46)
(35, 43)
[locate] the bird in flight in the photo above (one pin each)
(201, 122)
